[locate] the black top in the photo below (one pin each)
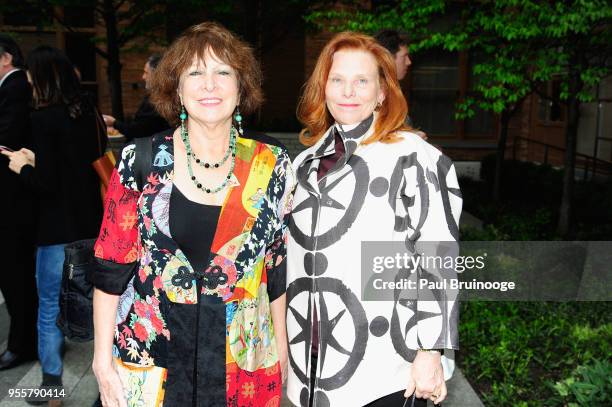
(15, 97)
(67, 187)
(145, 123)
(192, 226)
(195, 341)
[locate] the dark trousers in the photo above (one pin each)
(18, 286)
(390, 400)
(397, 400)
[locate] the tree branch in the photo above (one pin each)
(119, 5)
(124, 37)
(98, 51)
(100, 10)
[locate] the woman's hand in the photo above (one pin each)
(277, 309)
(19, 159)
(109, 120)
(427, 377)
(109, 383)
(283, 357)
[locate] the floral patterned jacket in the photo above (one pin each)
(139, 259)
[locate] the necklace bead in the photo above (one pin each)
(231, 151)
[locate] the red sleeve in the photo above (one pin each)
(116, 249)
(118, 239)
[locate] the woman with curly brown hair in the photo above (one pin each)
(193, 261)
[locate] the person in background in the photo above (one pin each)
(146, 120)
(397, 44)
(17, 226)
(59, 171)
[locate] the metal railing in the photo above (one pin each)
(585, 162)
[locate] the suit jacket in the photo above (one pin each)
(67, 187)
(15, 98)
(146, 122)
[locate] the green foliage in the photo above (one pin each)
(487, 233)
(587, 386)
(516, 352)
(142, 19)
(517, 45)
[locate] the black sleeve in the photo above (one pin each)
(46, 146)
(276, 252)
(14, 114)
(111, 277)
(145, 123)
(277, 280)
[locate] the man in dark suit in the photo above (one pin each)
(146, 120)
(17, 267)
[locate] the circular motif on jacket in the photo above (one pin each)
(379, 326)
(346, 205)
(321, 399)
(331, 292)
(315, 261)
(379, 186)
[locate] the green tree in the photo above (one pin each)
(519, 46)
(576, 46)
(123, 22)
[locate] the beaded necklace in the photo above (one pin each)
(191, 156)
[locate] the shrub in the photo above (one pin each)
(516, 352)
(587, 386)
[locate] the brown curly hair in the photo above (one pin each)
(196, 41)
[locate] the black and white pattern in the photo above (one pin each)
(405, 191)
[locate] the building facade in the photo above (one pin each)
(288, 52)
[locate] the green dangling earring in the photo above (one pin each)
(238, 119)
(183, 115)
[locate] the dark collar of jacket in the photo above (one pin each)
(307, 169)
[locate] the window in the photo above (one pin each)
(434, 90)
(21, 13)
(551, 110)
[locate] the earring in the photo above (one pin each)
(238, 119)
(378, 106)
(183, 116)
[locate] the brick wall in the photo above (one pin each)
(132, 85)
(312, 48)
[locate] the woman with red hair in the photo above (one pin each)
(366, 176)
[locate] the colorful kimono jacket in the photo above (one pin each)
(405, 191)
(157, 337)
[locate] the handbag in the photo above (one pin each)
(413, 400)
(106, 163)
(75, 318)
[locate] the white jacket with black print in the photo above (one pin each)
(405, 191)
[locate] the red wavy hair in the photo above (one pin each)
(312, 110)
